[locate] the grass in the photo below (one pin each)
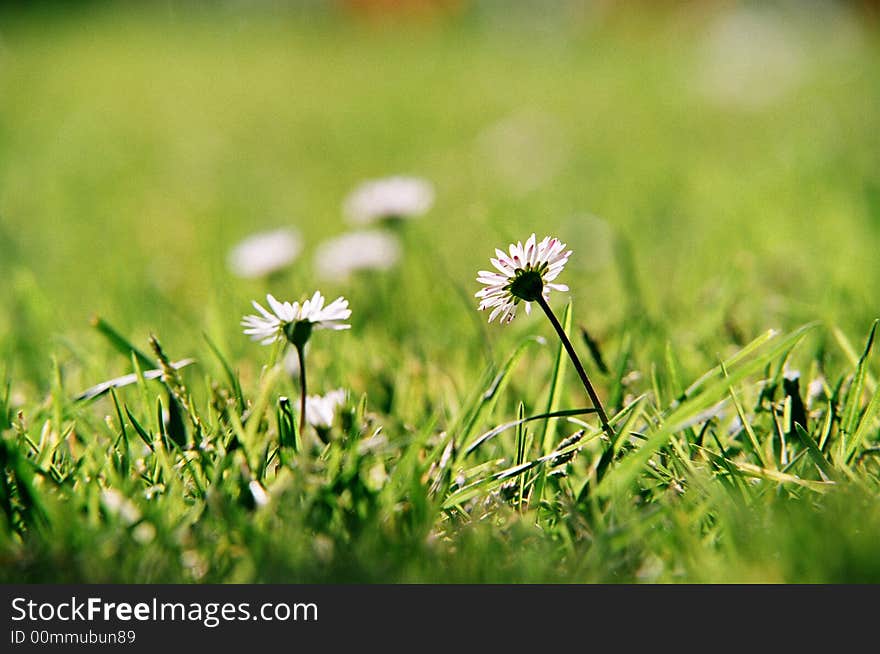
(138, 147)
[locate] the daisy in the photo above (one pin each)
(388, 199)
(264, 253)
(337, 259)
(295, 322)
(321, 409)
(526, 274)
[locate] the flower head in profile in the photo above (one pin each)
(525, 274)
(321, 409)
(264, 253)
(294, 321)
(369, 249)
(389, 198)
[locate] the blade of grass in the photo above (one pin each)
(121, 343)
(486, 398)
(740, 355)
(231, 377)
(850, 411)
(270, 379)
(852, 355)
(492, 482)
(615, 399)
(815, 453)
(126, 380)
(746, 423)
(123, 435)
(480, 440)
(865, 424)
(145, 437)
(758, 472)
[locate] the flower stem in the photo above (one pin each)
(300, 353)
(594, 398)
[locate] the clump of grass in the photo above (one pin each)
(699, 477)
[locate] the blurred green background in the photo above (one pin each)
(713, 165)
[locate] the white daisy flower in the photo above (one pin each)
(526, 274)
(321, 409)
(337, 259)
(264, 253)
(389, 198)
(295, 321)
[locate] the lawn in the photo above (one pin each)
(715, 172)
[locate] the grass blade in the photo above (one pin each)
(865, 424)
(121, 343)
(814, 452)
(231, 377)
(482, 438)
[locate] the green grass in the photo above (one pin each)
(137, 148)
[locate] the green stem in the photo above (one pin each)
(594, 398)
(301, 355)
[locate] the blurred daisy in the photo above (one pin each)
(295, 321)
(364, 250)
(265, 253)
(526, 274)
(388, 199)
(321, 409)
